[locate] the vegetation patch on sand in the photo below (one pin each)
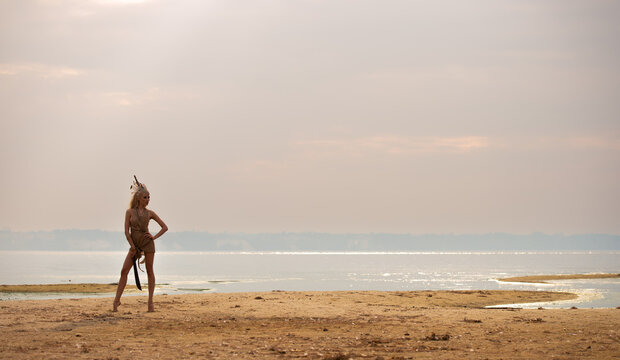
(541, 279)
(64, 288)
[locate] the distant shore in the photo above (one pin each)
(541, 279)
(102, 240)
(309, 325)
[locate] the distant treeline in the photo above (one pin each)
(99, 240)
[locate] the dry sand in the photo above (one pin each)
(313, 325)
(540, 279)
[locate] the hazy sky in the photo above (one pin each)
(312, 115)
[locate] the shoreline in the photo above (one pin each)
(542, 279)
(97, 288)
(78, 288)
(310, 325)
(436, 298)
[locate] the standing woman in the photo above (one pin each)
(141, 242)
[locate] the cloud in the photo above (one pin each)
(95, 2)
(430, 74)
(575, 142)
(152, 97)
(259, 169)
(606, 143)
(120, 2)
(396, 145)
(302, 154)
(39, 70)
(85, 8)
(124, 98)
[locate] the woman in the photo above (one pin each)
(141, 242)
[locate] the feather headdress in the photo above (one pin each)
(136, 186)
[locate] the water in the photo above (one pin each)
(199, 272)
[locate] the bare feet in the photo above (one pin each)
(151, 307)
(115, 305)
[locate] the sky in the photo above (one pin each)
(398, 116)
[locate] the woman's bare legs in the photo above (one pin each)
(123, 280)
(149, 257)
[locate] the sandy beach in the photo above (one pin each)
(313, 325)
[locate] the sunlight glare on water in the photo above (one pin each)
(187, 272)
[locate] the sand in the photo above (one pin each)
(309, 325)
(66, 288)
(541, 279)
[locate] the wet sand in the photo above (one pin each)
(111, 288)
(541, 279)
(65, 288)
(312, 325)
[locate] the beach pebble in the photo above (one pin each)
(435, 337)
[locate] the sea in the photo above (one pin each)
(205, 272)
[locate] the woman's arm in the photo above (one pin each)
(127, 234)
(161, 223)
